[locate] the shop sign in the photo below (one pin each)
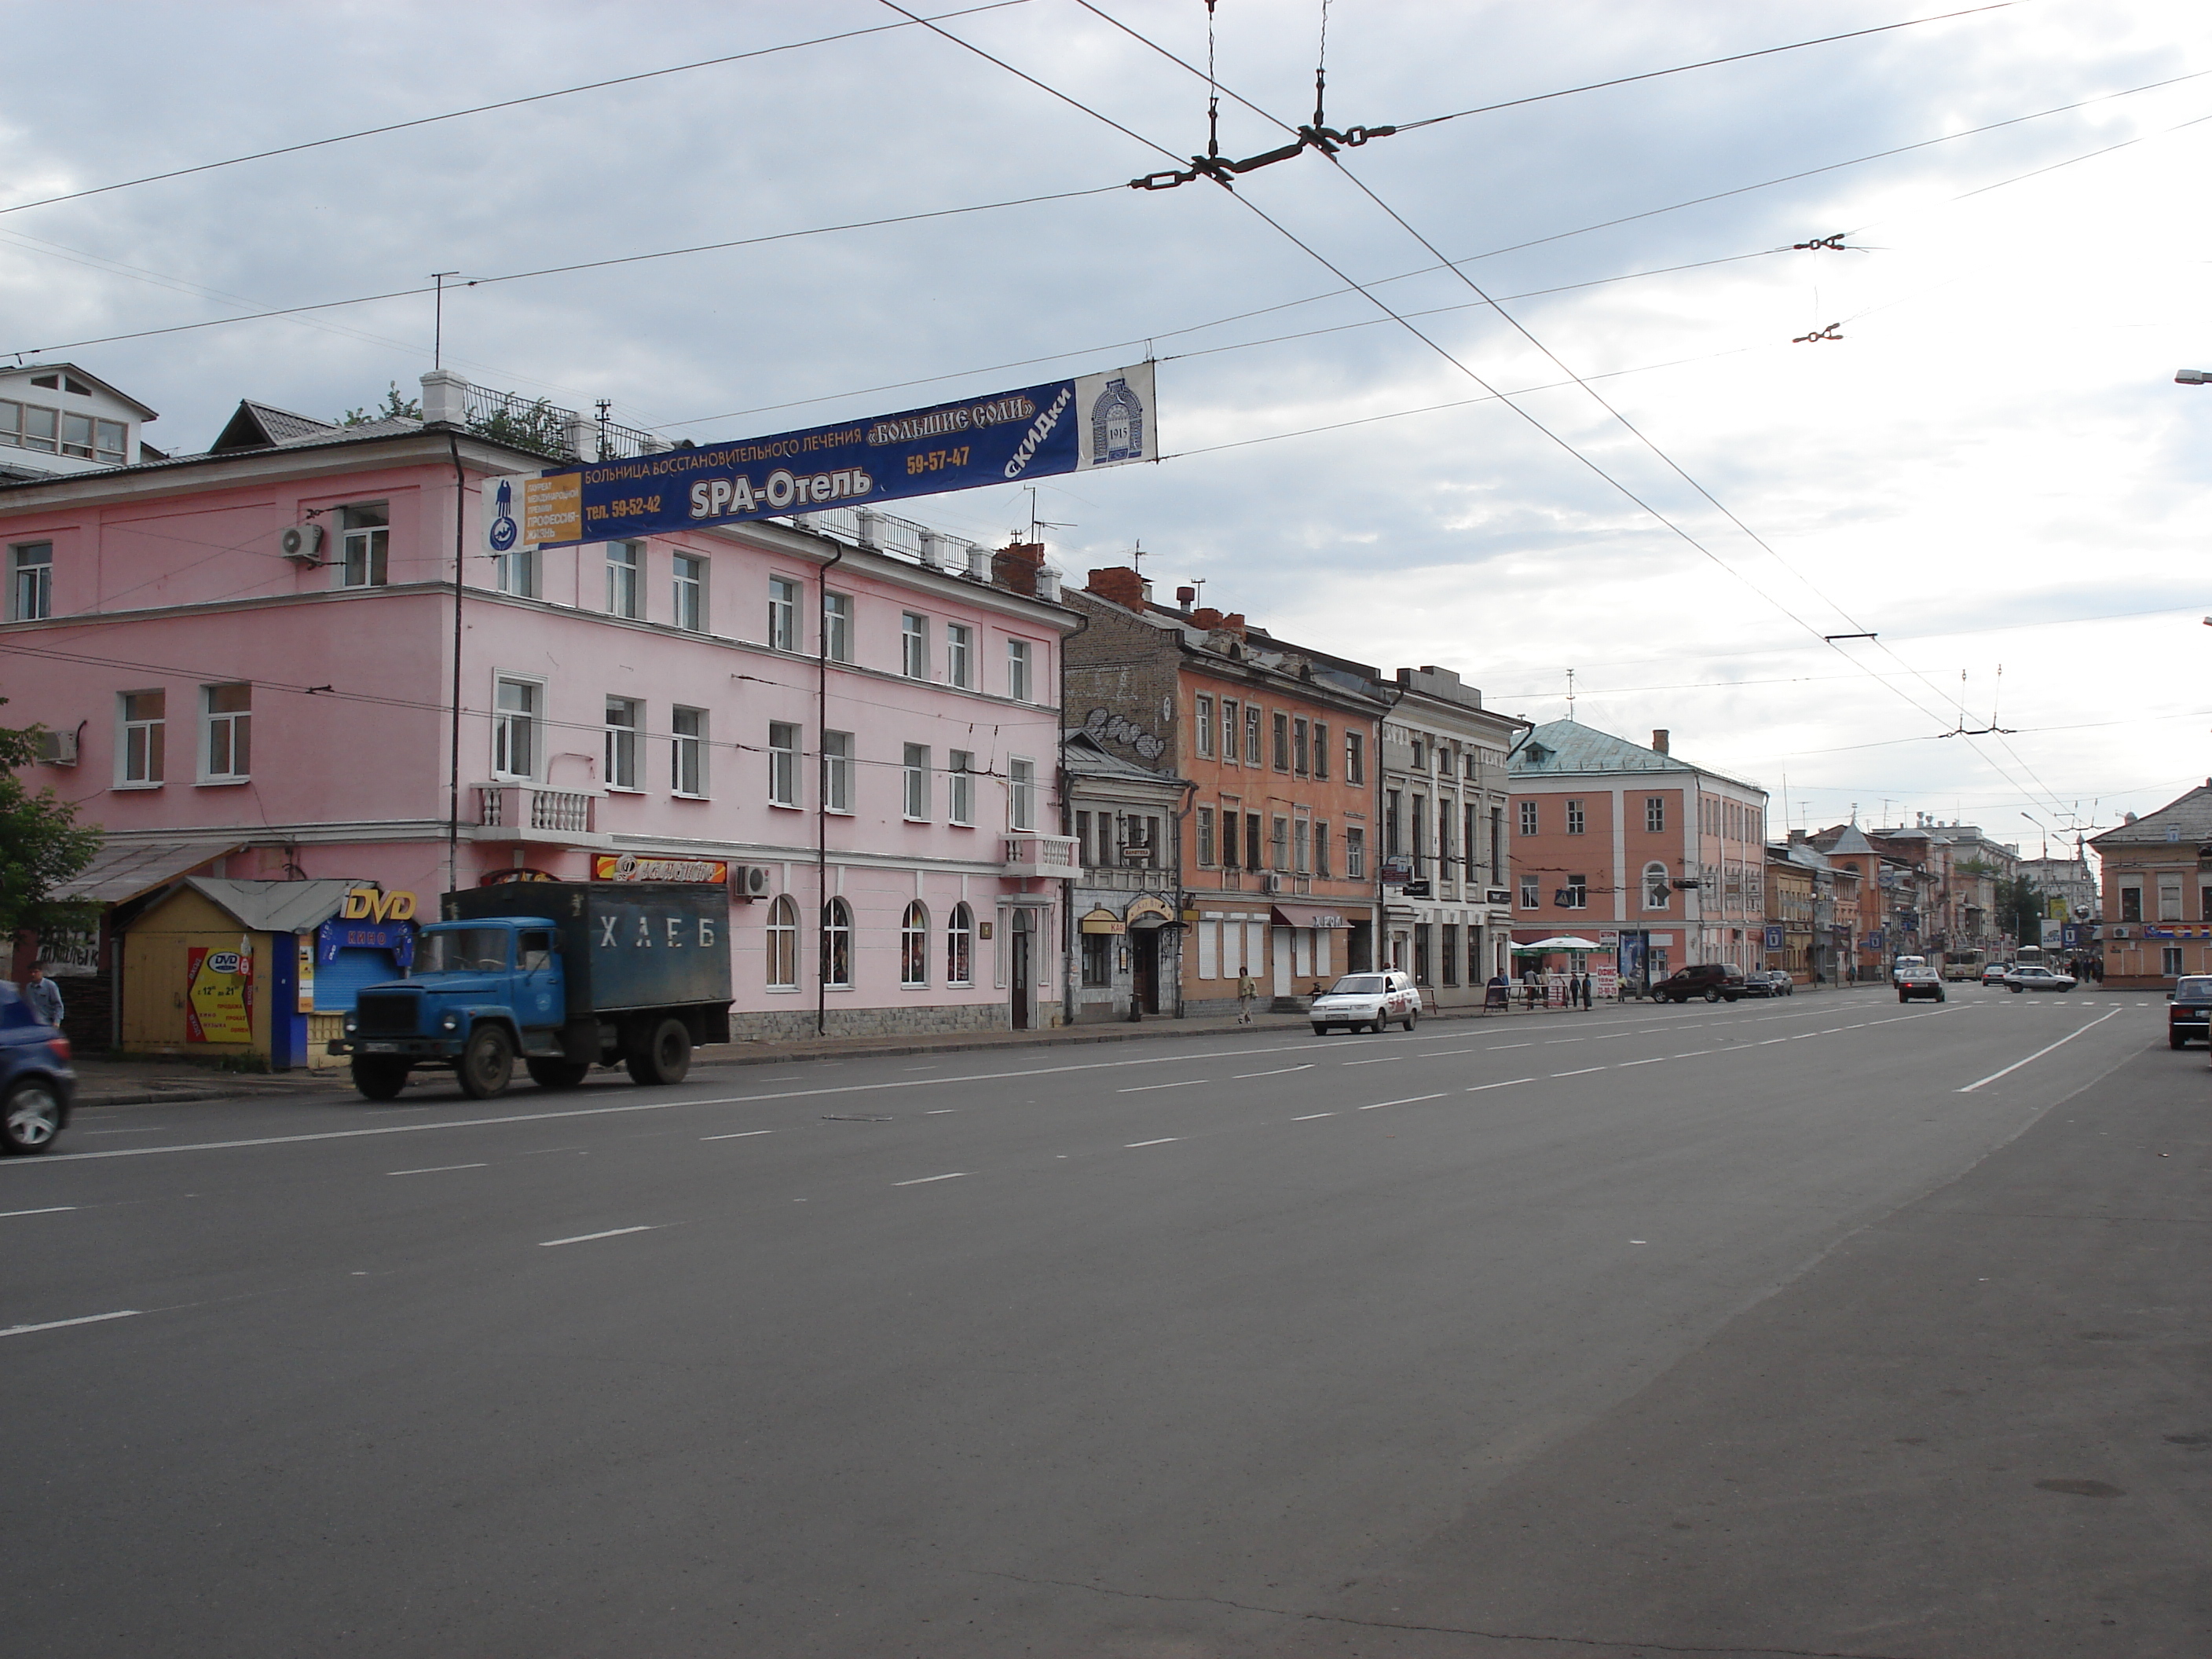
(218, 995)
(1145, 908)
(397, 937)
(1102, 920)
(373, 904)
(1774, 938)
(632, 867)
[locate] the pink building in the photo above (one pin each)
(262, 670)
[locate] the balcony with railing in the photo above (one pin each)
(531, 811)
(1049, 857)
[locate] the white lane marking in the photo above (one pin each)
(1441, 1052)
(57, 1324)
(1408, 1100)
(923, 1181)
(1145, 1088)
(1500, 1047)
(2038, 1054)
(1508, 1084)
(52, 1209)
(1310, 1116)
(1585, 1071)
(1385, 1060)
(1553, 1043)
(1764, 1042)
(1626, 1064)
(438, 1168)
(1131, 1146)
(940, 1111)
(1284, 1071)
(586, 1238)
(740, 1134)
(1694, 1053)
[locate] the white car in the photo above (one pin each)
(2032, 977)
(1375, 1000)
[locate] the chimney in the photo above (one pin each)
(1206, 617)
(1015, 566)
(1123, 585)
(1233, 623)
(445, 399)
(1185, 597)
(1659, 739)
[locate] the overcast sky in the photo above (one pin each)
(1992, 467)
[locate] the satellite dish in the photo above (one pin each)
(2083, 912)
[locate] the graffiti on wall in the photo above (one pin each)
(1106, 725)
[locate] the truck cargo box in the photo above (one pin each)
(624, 946)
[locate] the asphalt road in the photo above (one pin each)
(1826, 1326)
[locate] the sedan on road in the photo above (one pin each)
(1917, 984)
(36, 1081)
(1769, 982)
(2033, 976)
(1371, 999)
(2189, 1011)
(1994, 973)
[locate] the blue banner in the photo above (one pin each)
(336, 935)
(1007, 437)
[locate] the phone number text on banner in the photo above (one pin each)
(1009, 437)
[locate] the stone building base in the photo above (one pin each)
(796, 1023)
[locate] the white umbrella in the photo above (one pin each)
(1564, 942)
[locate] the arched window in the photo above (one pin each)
(783, 945)
(1656, 890)
(913, 945)
(837, 944)
(960, 946)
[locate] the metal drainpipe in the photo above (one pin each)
(1069, 966)
(453, 758)
(821, 792)
(1182, 931)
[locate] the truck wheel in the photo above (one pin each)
(666, 1059)
(558, 1073)
(487, 1065)
(32, 1117)
(379, 1079)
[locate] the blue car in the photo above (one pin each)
(36, 1083)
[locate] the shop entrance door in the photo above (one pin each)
(1144, 968)
(1018, 968)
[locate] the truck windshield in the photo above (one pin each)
(463, 950)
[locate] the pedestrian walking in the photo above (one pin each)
(44, 996)
(1588, 988)
(1248, 992)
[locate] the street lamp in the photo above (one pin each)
(2191, 376)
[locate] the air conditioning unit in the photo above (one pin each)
(302, 541)
(748, 882)
(1272, 884)
(58, 749)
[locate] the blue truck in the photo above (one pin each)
(562, 976)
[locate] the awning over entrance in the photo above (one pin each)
(124, 873)
(1308, 915)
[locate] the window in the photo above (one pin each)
(1355, 854)
(1392, 801)
(914, 946)
(514, 729)
(145, 725)
(1252, 841)
(1497, 843)
(1449, 934)
(1321, 847)
(1097, 959)
(1527, 817)
(1417, 756)
(913, 646)
(959, 946)
(1655, 815)
(1528, 899)
(1301, 831)
(1278, 844)
(34, 426)
(1574, 817)
(1320, 749)
(2169, 901)
(687, 752)
(1205, 849)
(783, 614)
(2131, 902)
(622, 743)
(229, 717)
(1355, 768)
(1202, 725)
(917, 781)
(1282, 733)
(782, 764)
(365, 544)
(516, 572)
(625, 576)
(783, 945)
(837, 771)
(1229, 729)
(1017, 670)
(837, 944)
(1251, 735)
(31, 589)
(960, 655)
(1232, 835)
(2169, 963)
(1021, 795)
(30, 426)
(688, 593)
(960, 788)
(1656, 892)
(1420, 837)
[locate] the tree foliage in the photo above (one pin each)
(2019, 910)
(41, 844)
(395, 407)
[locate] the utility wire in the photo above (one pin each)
(477, 109)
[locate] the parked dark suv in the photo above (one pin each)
(36, 1082)
(1713, 981)
(2188, 1013)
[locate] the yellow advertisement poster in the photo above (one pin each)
(218, 996)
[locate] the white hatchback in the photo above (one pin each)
(1371, 1000)
(2030, 976)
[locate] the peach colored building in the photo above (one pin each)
(2157, 899)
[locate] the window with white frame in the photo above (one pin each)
(960, 655)
(1021, 795)
(1575, 821)
(622, 715)
(913, 945)
(364, 544)
(1527, 817)
(1655, 815)
(31, 581)
(1279, 843)
(1320, 752)
(687, 751)
(1355, 766)
(1206, 848)
(913, 645)
(688, 593)
(782, 763)
(783, 613)
(1251, 734)
(1300, 830)
(1017, 670)
(626, 579)
(1321, 847)
(1575, 895)
(837, 771)
(837, 944)
(1202, 724)
(782, 939)
(227, 716)
(1658, 892)
(1530, 897)
(35, 426)
(2169, 900)
(837, 627)
(1232, 723)
(960, 788)
(145, 725)
(917, 781)
(960, 946)
(515, 714)
(516, 572)
(1355, 854)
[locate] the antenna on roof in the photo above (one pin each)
(438, 319)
